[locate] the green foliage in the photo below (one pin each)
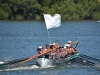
(37, 17)
(34, 9)
(3, 14)
(19, 17)
(96, 15)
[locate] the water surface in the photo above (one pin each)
(20, 39)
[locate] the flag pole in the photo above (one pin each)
(49, 36)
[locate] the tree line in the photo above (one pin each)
(34, 9)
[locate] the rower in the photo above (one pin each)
(71, 50)
(68, 48)
(40, 51)
(57, 55)
(75, 50)
(57, 45)
(53, 51)
(65, 51)
(47, 48)
(61, 51)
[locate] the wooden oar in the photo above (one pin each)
(12, 61)
(32, 57)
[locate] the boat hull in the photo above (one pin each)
(44, 62)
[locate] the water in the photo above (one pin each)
(20, 39)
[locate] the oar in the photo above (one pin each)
(76, 44)
(83, 61)
(88, 57)
(32, 57)
(12, 61)
(80, 60)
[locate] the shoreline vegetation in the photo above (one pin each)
(34, 9)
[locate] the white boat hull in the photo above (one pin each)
(43, 62)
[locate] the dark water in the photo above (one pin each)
(20, 39)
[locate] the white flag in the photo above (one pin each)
(52, 22)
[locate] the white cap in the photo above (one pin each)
(64, 46)
(69, 41)
(40, 47)
(53, 43)
(50, 44)
(68, 45)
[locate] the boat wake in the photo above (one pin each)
(35, 66)
(32, 67)
(97, 65)
(20, 68)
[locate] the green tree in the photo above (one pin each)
(3, 14)
(34, 9)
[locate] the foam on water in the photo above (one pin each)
(21, 68)
(97, 65)
(1, 62)
(33, 67)
(25, 68)
(49, 66)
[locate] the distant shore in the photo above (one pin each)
(34, 9)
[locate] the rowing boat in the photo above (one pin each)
(43, 62)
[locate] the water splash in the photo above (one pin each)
(20, 68)
(32, 67)
(97, 65)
